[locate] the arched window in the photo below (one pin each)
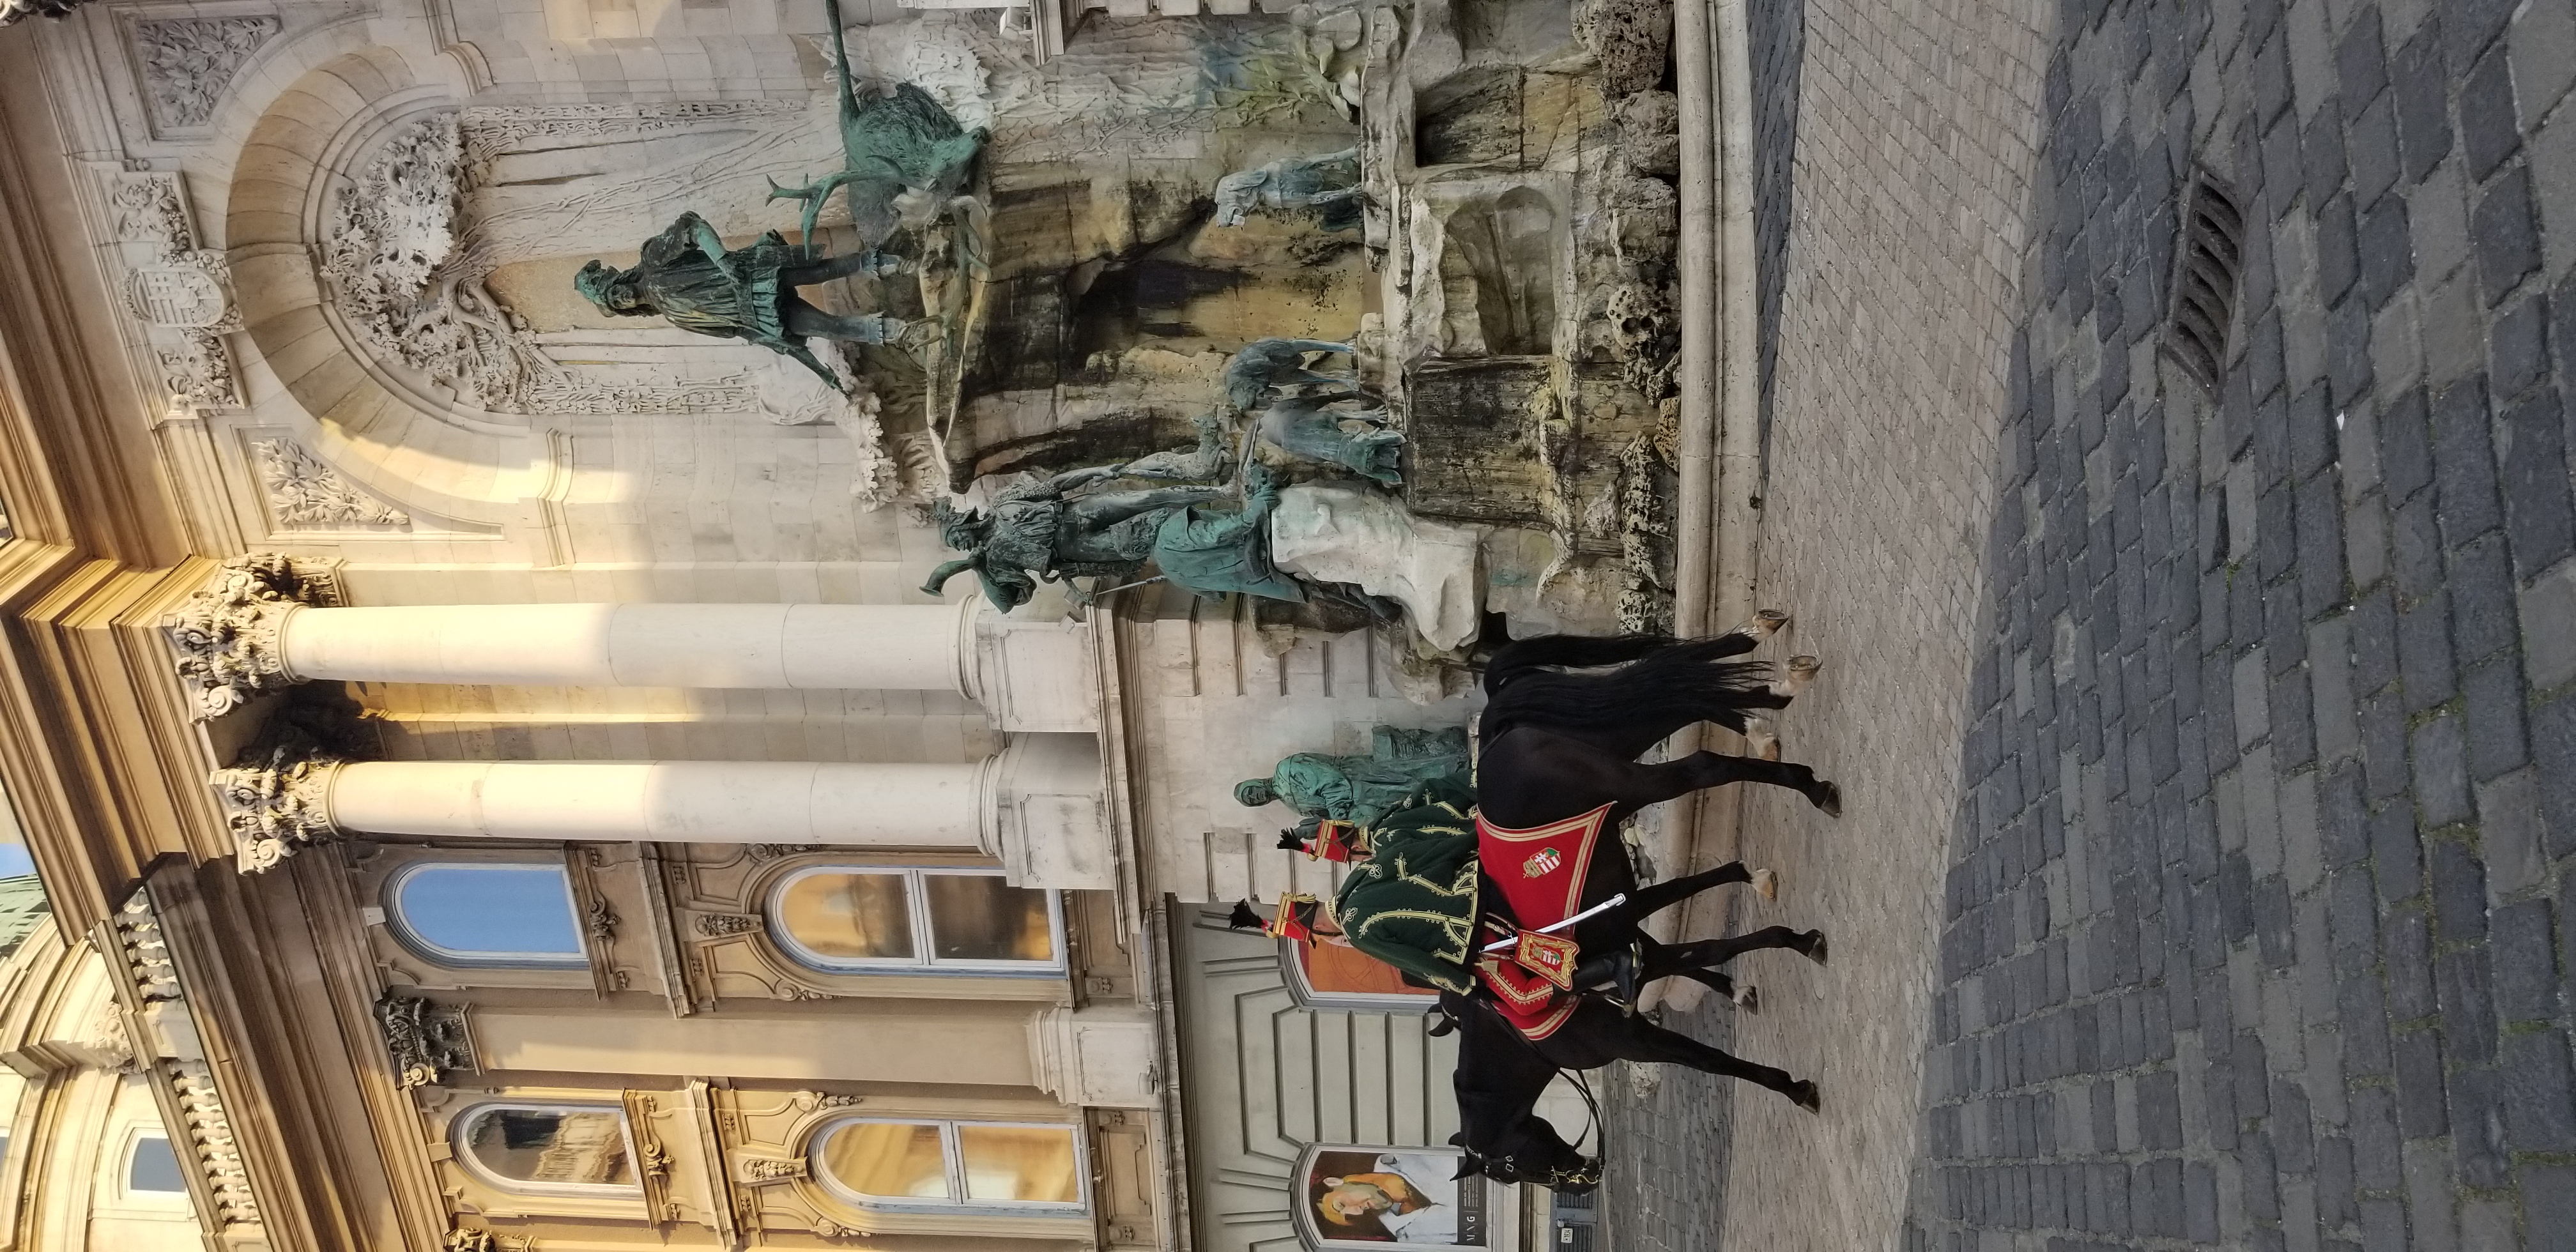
(486, 913)
(567, 1148)
(942, 1164)
(865, 919)
(152, 1167)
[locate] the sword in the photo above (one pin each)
(1603, 907)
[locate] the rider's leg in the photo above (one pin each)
(804, 321)
(1118, 506)
(826, 269)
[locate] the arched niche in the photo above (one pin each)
(403, 258)
(367, 429)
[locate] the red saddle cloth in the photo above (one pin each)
(1539, 873)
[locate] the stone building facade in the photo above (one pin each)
(499, 755)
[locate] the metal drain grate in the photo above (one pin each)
(2206, 261)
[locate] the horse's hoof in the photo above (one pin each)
(1748, 999)
(1829, 797)
(1761, 741)
(1815, 947)
(1765, 624)
(1794, 682)
(1767, 882)
(1803, 1094)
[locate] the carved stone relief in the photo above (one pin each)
(187, 62)
(305, 493)
(757, 1170)
(405, 260)
(713, 925)
(227, 634)
(181, 294)
(427, 1040)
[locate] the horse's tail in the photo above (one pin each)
(1522, 656)
(1666, 686)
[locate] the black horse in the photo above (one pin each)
(1558, 744)
(1501, 1073)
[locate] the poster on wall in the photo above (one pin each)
(1380, 1197)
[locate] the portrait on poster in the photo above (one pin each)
(1384, 1197)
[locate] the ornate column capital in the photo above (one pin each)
(227, 635)
(279, 806)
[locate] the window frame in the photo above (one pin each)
(179, 1201)
(925, 933)
(398, 923)
(952, 1150)
(461, 1149)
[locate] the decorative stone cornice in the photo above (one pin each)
(142, 947)
(227, 635)
(278, 806)
(425, 1038)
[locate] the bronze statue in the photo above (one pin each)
(687, 275)
(1361, 789)
(905, 160)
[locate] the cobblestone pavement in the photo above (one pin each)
(2257, 928)
(1916, 141)
(2252, 939)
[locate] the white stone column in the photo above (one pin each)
(895, 647)
(1029, 676)
(789, 802)
(266, 622)
(1039, 805)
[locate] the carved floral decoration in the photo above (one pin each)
(187, 63)
(405, 266)
(304, 492)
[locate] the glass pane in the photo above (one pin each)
(849, 917)
(154, 1167)
(503, 912)
(979, 917)
(1019, 1164)
(584, 1147)
(897, 1160)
